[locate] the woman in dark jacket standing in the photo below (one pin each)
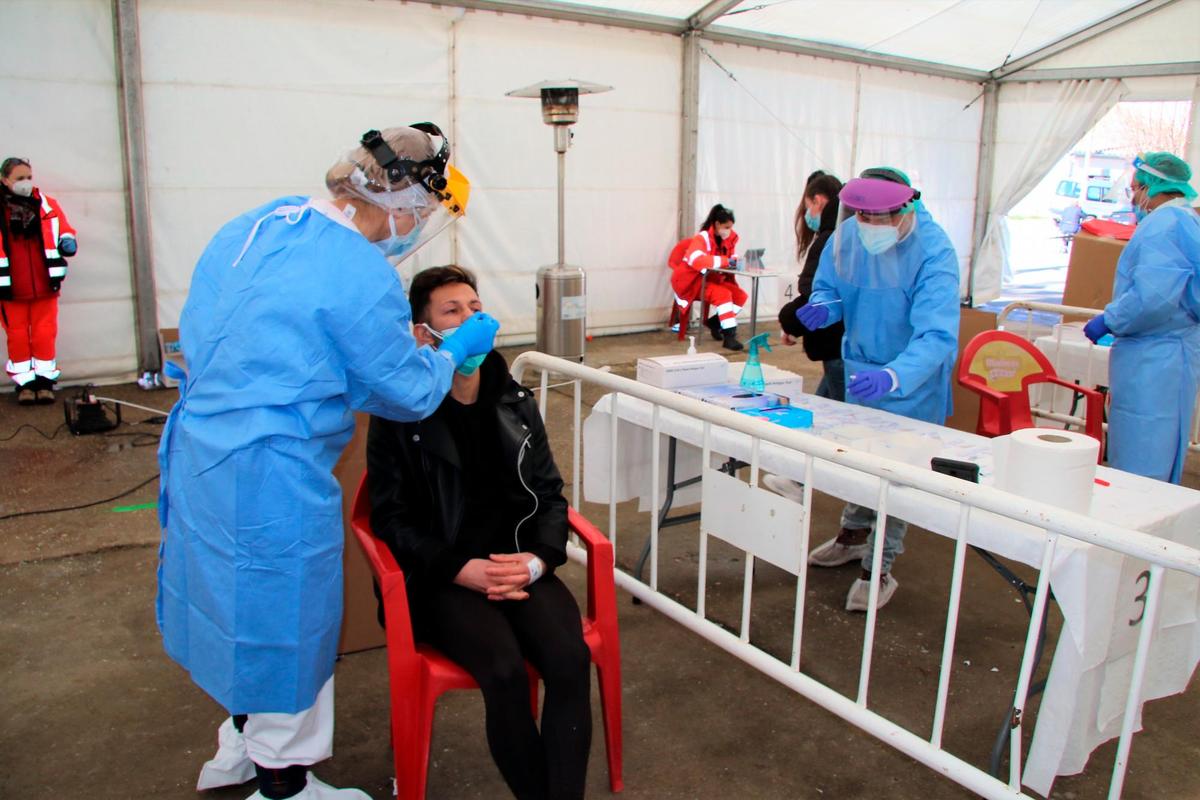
(470, 501)
(816, 219)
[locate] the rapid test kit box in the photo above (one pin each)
(682, 372)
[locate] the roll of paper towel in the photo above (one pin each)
(1050, 466)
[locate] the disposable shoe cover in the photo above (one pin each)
(230, 766)
(319, 790)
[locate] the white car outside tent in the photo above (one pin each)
(155, 121)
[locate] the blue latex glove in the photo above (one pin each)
(67, 246)
(1096, 328)
(475, 337)
(812, 317)
(870, 384)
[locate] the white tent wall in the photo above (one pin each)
(622, 172)
(787, 115)
(761, 136)
(58, 81)
(250, 100)
(928, 127)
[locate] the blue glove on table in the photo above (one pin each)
(812, 317)
(1096, 328)
(870, 384)
(475, 337)
(67, 246)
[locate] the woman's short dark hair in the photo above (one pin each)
(11, 163)
(716, 215)
(819, 183)
(425, 281)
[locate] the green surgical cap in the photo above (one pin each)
(1163, 172)
(876, 172)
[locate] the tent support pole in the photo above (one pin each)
(689, 132)
(137, 199)
(984, 175)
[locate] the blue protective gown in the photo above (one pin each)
(310, 324)
(907, 323)
(1155, 362)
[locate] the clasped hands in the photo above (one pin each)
(503, 576)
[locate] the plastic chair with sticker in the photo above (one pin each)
(1000, 367)
(418, 674)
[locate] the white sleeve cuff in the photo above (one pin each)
(895, 378)
(537, 568)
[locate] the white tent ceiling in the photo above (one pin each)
(969, 39)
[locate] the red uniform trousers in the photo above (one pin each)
(725, 299)
(31, 327)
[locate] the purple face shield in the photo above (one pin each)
(875, 196)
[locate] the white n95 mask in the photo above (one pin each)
(23, 188)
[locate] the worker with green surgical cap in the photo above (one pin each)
(1154, 369)
(889, 272)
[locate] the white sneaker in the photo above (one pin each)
(787, 487)
(860, 593)
(833, 553)
(231, 766)
(317, 789)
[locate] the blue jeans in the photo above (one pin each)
(863, 518)
(833, 382)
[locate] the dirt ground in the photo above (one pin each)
(92, 707)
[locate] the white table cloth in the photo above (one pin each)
(1097, 590)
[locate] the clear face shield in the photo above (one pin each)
(422, 198)
(874, 240)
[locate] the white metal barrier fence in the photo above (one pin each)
(970, 498)
(1051, 408)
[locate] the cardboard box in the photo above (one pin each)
(971, 322)
(360, 620)
(680, 372)
(1090, 270)
(170, 349)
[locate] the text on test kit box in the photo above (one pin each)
(677, 372)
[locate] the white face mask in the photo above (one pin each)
(24, 188)
(877, 239)
(724, 234)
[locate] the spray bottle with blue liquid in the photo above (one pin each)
(752, 374)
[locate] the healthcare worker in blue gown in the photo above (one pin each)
(1154, 316)
(295, 318)
(891, 275)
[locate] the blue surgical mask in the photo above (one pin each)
(470, 364)
(396, 245)
(878, 239)
(1139, 213)
(813, 221)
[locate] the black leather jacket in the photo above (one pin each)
(415, 479)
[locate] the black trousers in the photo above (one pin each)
(492, 640)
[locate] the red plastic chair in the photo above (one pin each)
(683, 315)
(418, 674)
(1000, 367)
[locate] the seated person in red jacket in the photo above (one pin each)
(470, 501)
(35, 241)
(713, 247)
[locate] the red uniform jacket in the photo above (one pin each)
(698, 253)
(48, 266)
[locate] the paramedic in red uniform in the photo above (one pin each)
(712, 248)
(36, 241)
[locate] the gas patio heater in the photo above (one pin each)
(561, 289)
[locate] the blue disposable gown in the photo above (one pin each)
(1155, 362)
(310, 324)
(908, 322)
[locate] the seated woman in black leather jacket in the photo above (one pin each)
(470, 501)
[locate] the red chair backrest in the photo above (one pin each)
(386, 570)
(1004, 362)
